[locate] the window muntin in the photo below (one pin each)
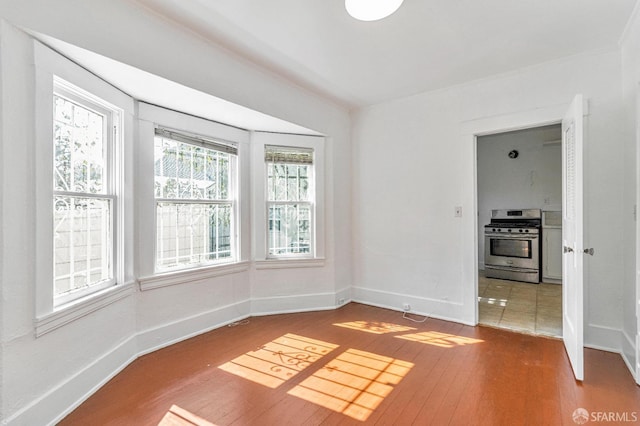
(289, 201)
(195, 201)
(84, 197)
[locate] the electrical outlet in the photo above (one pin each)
(406, 307)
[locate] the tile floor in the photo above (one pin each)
(523, 307)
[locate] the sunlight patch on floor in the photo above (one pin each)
(374, 327)
(442, 340)
(279, 360)
(177, 416)
(354, 383)
(493, 301)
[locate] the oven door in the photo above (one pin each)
(514, 251)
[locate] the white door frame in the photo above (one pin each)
(636, 368)
(485, 126)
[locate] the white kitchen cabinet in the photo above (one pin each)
(552, 246)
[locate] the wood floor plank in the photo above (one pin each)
(381, 369)
(426, 393)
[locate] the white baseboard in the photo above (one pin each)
(343, 296)
(628, 354)
(612, 340)
(185, 328)
(439, 309)
(602, 338)
(75, 390)
(290, 304)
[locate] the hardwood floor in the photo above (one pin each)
(360, 365)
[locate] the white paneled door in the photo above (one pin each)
(572, 236)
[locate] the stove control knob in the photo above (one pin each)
(494, 229)
(519, 230)
(508, 230)
(526, 230)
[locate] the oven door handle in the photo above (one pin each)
(511, 268)
(513, 236)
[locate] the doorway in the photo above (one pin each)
(522, 169)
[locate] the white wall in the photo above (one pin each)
(630, 52)
(42, 378)
(414, 161)
(533, 180)
(33, 367)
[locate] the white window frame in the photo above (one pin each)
(112, 132)
(150, 117)
(52, 313)
(310, 202)
(259, 140)
(215, 144)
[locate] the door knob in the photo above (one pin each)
(566, 249)
(588, 251)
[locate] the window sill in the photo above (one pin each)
(72, 311)
(290, 263)
(179, 277)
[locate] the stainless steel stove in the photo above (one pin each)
(512, 245)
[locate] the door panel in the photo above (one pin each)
(572, 236)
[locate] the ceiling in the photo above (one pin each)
(425, 45)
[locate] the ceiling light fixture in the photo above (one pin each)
(371, 10)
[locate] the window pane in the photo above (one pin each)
(188, 172)
(287, 182)
(292, 183)
(192, 234)
(79, 148)
(279, 180)
(82, 243)
(223, 172)
(303, 182)
(271, 182)
(289, 229)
